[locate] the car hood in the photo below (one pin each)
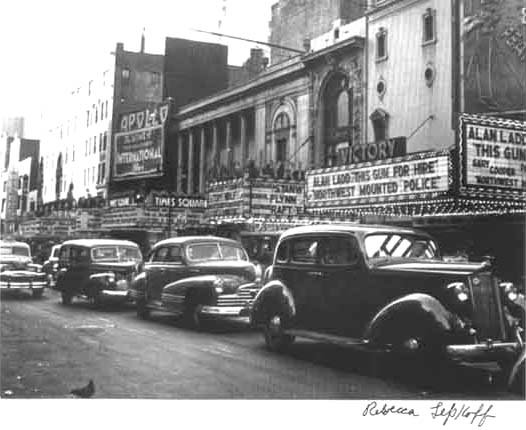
(428, 266)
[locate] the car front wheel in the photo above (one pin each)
(275, 338)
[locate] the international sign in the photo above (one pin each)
(418, 176)
(139, 153)
(493, 154)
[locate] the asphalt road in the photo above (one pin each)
(49, 349)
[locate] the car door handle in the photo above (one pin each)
(317, 274)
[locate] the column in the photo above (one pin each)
(228, 143)
(179, 184)
(190, 179)
(243, 140)
(202, 167)
(215, 144)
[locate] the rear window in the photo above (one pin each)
(400, 246)
(115, 253)
(215, 252)
(15, 250)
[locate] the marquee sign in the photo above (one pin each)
(138, 149)
(226, 198)
(276, 198)
(492, 155)
(418, 176)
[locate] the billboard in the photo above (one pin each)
(493, 55)
(138, 149)
(492, 156)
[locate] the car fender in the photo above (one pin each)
(414, 311)
(273, 296)
(138, 286)
(194, 289)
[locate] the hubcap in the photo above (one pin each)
(275, 324)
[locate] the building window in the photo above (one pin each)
(381, 44)
(102, 111)
(94, 144)
(379, 119)
(429, 26)
(106, 108)
(337, 120)
(96, 115)
(125, 75)
(105, 136)
(103, 172)
(90, 85)
(281, 135)
(100, 142)
(87, 118)
(93, 174)
(86, 145)
(155, 78)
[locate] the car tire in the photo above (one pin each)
(142, 311)
(66, 298)
(37, 294)
(275, 339)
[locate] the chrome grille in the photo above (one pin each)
(242, 298)
(487, 317)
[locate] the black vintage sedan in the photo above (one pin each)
(197, 278)
(97, 269)
(387, 288)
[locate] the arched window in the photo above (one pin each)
(337, 120)
(281, 136)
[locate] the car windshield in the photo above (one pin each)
(55, 251)
(215, 252)
(116, 253)
(14, 250)
(397, 245)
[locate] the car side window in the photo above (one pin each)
(339, 250)
(160, 254)
(281, 254)
(174, 254)
(79, 255)
(64, 255)
(305, 250)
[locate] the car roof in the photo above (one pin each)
(12, 243)
(98, 242)
(348, 228)
(184, 240)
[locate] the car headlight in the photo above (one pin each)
(258, 271)
(460, 290)
(218, 285)
(510, 291)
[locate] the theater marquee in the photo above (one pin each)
(418, 176)
(492, 155)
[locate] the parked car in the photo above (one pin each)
(17, 270)
(50, 266)
(196, 277)
(387, 288)
(97, 269)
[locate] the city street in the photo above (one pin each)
(49, 349)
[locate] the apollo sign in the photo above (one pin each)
(144, 119)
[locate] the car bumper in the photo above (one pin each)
(226, 311)
(115, 294)
(14, 285)
(483, 351)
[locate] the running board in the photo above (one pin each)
(328, 338)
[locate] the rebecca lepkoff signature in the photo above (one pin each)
(476, 416)
(463, 411)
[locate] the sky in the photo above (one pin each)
(49, 47)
